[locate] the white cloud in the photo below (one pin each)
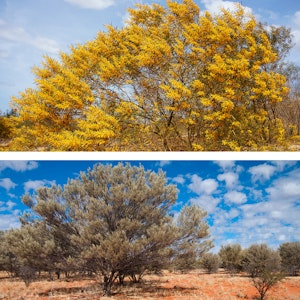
(282, 237)
(262, 172)
(255, 194)
(207, 202)
(225, 164)
(272, 15)
(126, 18)
(7, 206)
(18, 165)
(295, 31)
(200, 186)
(20, 36)
(35, 184)
(92, 4)
(268, 221)
(235, 197)
(179, 179)
(233, 213)
(282, 164)
(9, 221)
(274, 216)
(286, 189)
(7, 183)
(296, 38)
(296, 18)
(163, 163)
(231, 179)
(214, 6)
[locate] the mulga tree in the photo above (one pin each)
(48, 211)
(263, 264)
(193, 242)
(115, 220)
(210, 262)
(34, 249)
(8, 261)
(231, 257)
(259, 258)
(290, 257)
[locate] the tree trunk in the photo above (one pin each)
(107, 284)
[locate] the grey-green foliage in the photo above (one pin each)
(49, 215)
(114, 221)
(30, 249)
(259, 258)
(8, 260)
(194, 238)
(290, 257)
(231, 257)
(265, 281)
(210, 262)
(263, 264)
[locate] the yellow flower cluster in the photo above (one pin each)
(172, 79)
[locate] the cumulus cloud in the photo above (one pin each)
(7, 206)
(283, 164)
(163, 163)
(179, 179)
(7, 183)
(296, 18)
(207, 202)
(225, 164)
(35, 184)
(92, 4)
(235, 197)
(214, 6)
(286, 189)
(231, 179)
(262, 172)
(18, 165)
(9, 221)
(296, 31)
(20, 35)
(200, 186)
(245, 213)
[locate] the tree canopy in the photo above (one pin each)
(173, 78)
(112, 221)
(290, 257)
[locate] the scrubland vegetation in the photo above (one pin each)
(112, 232)
(172, 79)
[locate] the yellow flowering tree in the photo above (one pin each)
(173, 78)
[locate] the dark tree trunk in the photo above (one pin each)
(107, 284)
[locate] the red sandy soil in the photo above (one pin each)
(168, 286)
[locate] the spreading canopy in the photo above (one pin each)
(115, 221)
(173, 78)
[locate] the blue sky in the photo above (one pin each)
(247, 201)
(30, 29)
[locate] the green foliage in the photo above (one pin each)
(259, 258)
(8, 261)
(231, 257)
(111, 221)
(28, 274)
(210, 262)
(290, 257)
(265, 281)
(193, 243)
(264, 266)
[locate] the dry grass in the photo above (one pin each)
(168, 286)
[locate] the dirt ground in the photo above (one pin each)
(168, 286)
